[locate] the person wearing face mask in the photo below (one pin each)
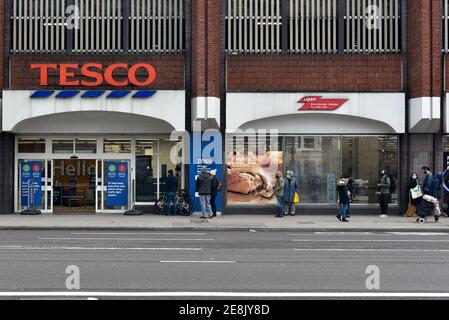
(384, 196)
(414, 195)
(290, 187)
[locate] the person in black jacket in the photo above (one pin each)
(215, 187)
(171, 187)
(343, 199)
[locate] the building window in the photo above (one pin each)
(156, 26)
(146, 171)
(372, 27)
(98, 26)
(38, 26)
(313, 26)
(254, 26)
(86, 146)
(63, 146)
(317, 162)
(31, 145)
(117, 146)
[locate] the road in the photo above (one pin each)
(216, 264)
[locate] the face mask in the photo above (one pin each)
(414, 177)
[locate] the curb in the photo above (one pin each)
(241, 229)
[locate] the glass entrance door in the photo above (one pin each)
(116, 185)
(73, 186)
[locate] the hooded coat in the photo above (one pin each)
(290, 187)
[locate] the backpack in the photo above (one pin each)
(392, 185)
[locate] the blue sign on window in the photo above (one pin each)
(199, 160)
(31, 183)
(116, 183)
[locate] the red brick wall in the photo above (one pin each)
(424, 49)
(314, 73)
(205, 48)
(169, 68)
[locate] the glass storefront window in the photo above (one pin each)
(31, 145)
(363, 158)
(317, 162)
(85, 146)
(146, 171)
(62, 146)
(117, 146)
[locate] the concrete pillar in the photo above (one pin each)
(424, 65)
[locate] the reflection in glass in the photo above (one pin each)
(146, 181)
(117, 146)
(31, 145)
(63, 146)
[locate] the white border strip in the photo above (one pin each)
(94, 248)
(230, 294)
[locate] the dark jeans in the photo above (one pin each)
(213, 205)
(171, 203)
(280, 200)
(383, 202)
(344, 210)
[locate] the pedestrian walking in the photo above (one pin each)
(279, 192)
(204, 189)
(290, 188)
(384, 195)
(436, 193)
(215, 188)
(414, 195)
(343, 199)
(171, 187)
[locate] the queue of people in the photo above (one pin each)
(423, 198)
(208, 186)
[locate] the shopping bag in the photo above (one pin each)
(416, 192)
(296, 198)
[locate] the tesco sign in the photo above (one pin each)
(94, 74)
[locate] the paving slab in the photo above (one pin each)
(312, 223)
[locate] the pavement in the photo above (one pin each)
(312, 223)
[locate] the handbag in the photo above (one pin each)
(296, 198)
(416, 192)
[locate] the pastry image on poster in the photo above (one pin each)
(251, 177)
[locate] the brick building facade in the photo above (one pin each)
(240, 67)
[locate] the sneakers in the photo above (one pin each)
(383, 216)
(203, 217)
(338, 217)
(437, 219)
(278, 216)
(344, 220)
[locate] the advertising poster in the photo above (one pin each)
(31, 183)
(198, 162)
(116, 184)
(251, 177)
